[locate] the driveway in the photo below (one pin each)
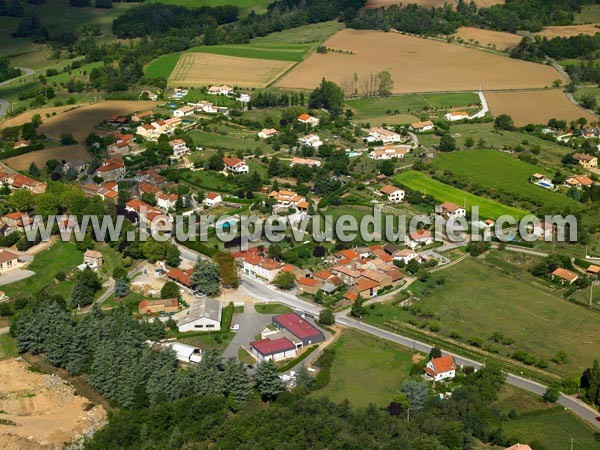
(15, 275)
(251, 323)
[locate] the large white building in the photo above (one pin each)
(275, 350)
(311, 140)
(203, 315)
(383, 135)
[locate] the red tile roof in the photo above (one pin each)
(296, 325)
(182, 276)
(308, 281)
(7, 256)
(268, 347)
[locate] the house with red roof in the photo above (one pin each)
(299, 327)
(235, 165)
(111, 170)
(442, 368)
(308, 120)
(8, 260)
(308, 285)
(273, 350)
(418, 237)
(181, 277)
(260, 267)
(213, 199)
(150, 307)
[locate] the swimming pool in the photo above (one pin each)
(352, 154)
(545, 184)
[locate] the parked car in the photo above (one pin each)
(235, 327)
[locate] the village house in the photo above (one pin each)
(585, 160)
(180, 277)
(23, 143)
(150, 176)
(203, 314)
(366, 288)
(179, 147)
(111, 171)
(417, 238)
(564, 276)
(308, 285)
(220, 90)
(151, 307)
(117, 120)
(454, 116)
(119, 148)
(519, 447)
(213, 199)
(393, 193)
(421, 127)
(244, 98)
(449, 210)
(288, 199)
(166, 201)
(93, 259)
(440, 369)
(544, 231)
(579, 181)
(382, 278)
(273, 350)
(138, 117)
(308, 120)
(593, 270)
(8, 260)
(260, 267)
(267, 133)
(310, 140)
(149, 188)
(17, 181)
(235, 165)
(389, 152)
(378, 134)
(302, 329)
(347, 275)
(16, 221)
(78, 165)
(184, 111)
(305, 162)
(405, 255)
(107, 191)
(151, 216)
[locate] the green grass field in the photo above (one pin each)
(595, 91)
(277, 52)
(208, 180)
(61, 256)
(313, 33)
(230, 141)
(478, 298)
(8, 347)
(162, 66)
(588, 14)
(272, 308)
(366, 369)
(370, 107)
(492, 170)
(441, 192)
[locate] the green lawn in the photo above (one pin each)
(278, 52)
(554, 429)
(441, 192)
(372, 107)
(229, 141)
(477, 298)
(207, 341)
(313, 33)
(595, 91)
(162, 66)
(8, 347)
(62, 256)
(272, 308)
(588, 14)
(366, 369)
(492, 171)
(211, 181)
(131, 301)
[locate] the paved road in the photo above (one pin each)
(4, 105)
(251, 323)
(15, 275)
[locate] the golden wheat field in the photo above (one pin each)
(416, 65)
(536, 106)
(569, 30)
(487, 38)
(198, 69)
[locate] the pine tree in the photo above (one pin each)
(237, 382)
(303, 379)
(205, 377)
(267, 380)
(121, 287)
(205, 277)
(15, 9)
(34, 171)
(3, 8)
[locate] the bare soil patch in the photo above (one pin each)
(487, 38)
(199, 69)
(27, 115)
(569, 30)
(41, 411)
(416, 65)
(81, 121)
(40, 157)
(427, 3)
(535, 107)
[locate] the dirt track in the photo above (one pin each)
(487, 38)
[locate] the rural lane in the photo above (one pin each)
(4, 104)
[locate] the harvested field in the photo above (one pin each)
(40, 157)
(81, 121)
(198, 69)
(487, 38)
(535, 107)
(41, 411)
(416, 65)
(427, 3)
(27, 115)
(568, 30)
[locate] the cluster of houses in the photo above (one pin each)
(152, 131)
(572, 181)
(16, 181)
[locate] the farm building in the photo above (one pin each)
(186, 353)
(421, 127)
(275, 350)
(442, 368)
(203, 314)
(168, 305)
(299, 327)
(455, 116)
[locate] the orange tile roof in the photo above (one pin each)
(308, 281)
(565, 274)
(443, 364)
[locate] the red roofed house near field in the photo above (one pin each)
(181, 277)
(235, 165)
(276, 349)
(442, 368)
(299, 327)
